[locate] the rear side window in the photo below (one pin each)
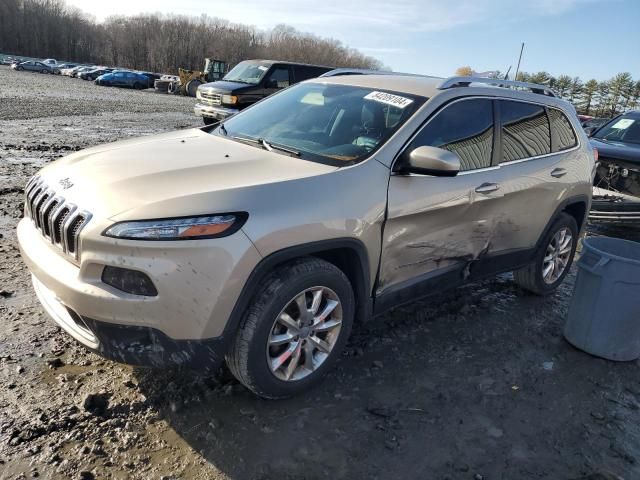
(525, 131)
(303, 72)
(464, 127)
(279, 78)
(566, 136)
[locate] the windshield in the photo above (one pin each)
(622, 129)
(328, 123)
(247, 72)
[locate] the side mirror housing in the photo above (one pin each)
(434, 161)
(589, 130)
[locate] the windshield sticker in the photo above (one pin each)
(389, 99)
(623, 123)
(263, 68)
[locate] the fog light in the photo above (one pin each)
(129, 281)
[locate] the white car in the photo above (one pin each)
(50, 61)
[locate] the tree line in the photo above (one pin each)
(599, 99)
(155, 42)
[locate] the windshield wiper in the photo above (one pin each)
(266, 145)
(270, 146)
(223, 129)
(237, 81)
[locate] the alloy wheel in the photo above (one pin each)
(557, 256)
(304, 334)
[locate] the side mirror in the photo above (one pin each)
(589, 130)
(431, 161)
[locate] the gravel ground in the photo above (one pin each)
(474, 384)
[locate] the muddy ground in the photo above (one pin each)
(474, 384)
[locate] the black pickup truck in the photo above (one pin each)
(616, 196)
(248, 82)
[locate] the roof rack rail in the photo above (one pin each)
(453, 82)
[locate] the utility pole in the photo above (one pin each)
(519, 58)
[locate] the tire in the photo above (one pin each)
(249, 356)
(531, 277)
(137, 86)
(44, 70)
(192, 87)
(208, 121)
(19, 69)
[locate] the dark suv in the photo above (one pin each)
(616, 197)
(248, 82)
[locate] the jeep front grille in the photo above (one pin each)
(58, 220)
(210, 97)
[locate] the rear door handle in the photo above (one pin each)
(558, 172)
(487, 188)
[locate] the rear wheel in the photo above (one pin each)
(553, 261)
(44, 70)
(294, 330)
(19, 68)
(137, 86)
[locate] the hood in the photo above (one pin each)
(172, 174)
(223, 86)
(629, 152)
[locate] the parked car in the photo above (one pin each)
(9, 61)
(151, 77)
(616, 198)
(248, 82)
(77, 71)
(95, 73)
(121, 78)
(592, 124)
(70, 71)
(324, 204)
(34, 66)
(50, 61)
(65, 66)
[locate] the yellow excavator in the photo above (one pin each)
(190, 80)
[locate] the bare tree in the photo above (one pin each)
(48, 28)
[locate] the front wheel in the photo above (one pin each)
(44, 70)
(553, 260)
(294, 329)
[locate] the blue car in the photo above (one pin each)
(121, 78)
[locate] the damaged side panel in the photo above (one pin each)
(434, 223)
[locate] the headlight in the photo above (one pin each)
(185, 228)
(198, 94)
(229, 99)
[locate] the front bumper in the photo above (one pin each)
(209, 111)
(614, 208)
(141, 346)
(198, 284)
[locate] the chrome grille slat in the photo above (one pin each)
(211, 98)
(58, 220)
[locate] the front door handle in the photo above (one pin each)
(558, 172)
(487, 188)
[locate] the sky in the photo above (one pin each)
(585, 38)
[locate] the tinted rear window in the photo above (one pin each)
(566, 136)
(525, 131)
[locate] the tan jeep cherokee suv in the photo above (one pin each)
(261, 240)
